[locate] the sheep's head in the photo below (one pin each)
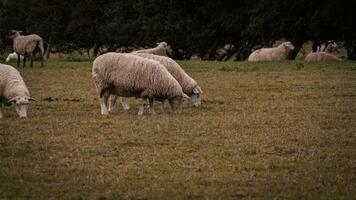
(288, 45)
(177, 103)
(21, 104)
(166, 46)
(13, 34)
(195, 97)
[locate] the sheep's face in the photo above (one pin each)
(13, 34)
(169, 49)
(195, 98)
(21, 105)
(289, 45)
(176, 104)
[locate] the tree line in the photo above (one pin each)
(191, 27)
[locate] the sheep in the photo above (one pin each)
(127, 75)
(189, 85)
(26, 46)
(161, 49)
(330, 47)
(272, 54)
(13, 90)
(13, 56)
(320, 56)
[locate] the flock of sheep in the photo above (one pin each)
(147, 74)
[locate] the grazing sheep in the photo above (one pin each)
(13, 56)
(321, 56)
(189, 85)
(272, 54)
(127, 75)
(161, 49)
(13, 90)
(26, 46)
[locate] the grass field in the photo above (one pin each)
(264, 131)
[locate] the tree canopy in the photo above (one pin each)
(190, 27)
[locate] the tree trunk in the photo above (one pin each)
(315, 46)
(293, 54)
(351, 50)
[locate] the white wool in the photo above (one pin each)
(161, 49)
(13, 90)
(25, 45)
(321, 56)
(128, 75)
(13, 56)
(279, 53)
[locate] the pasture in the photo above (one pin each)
(284, 130)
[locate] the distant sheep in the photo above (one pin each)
(189, 85)
(127, 75)
(13, 56)
(321, 56)
(26, 46)
(330, 47)
(279, 53)
(13, 90)
(161, 49)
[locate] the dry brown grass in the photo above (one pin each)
(265, 130)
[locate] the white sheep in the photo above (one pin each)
(272, 54)
(13, 90)
(320, 56)
(161, 49)
(189, 85)
(127, 75)
(13, 56)
(26, 46)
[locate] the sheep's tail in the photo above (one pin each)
(101, 85)
(40, 46)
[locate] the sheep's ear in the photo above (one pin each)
(31, 99)
(185, 96)
(198, 89)
(158, 43)
(20, 32)
(11, 100)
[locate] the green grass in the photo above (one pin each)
(264, 131)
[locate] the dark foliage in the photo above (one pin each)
(190, 27)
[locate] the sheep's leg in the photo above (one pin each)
(125, 103)
(31, 60)
(18, 60)
(151, 108)
(24, 61)
(142, 107)
(41, 59)
(112, 100)
(1, 115)
(104, 103)
(162, 105)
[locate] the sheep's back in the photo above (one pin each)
(135, 73)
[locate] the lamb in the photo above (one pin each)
(127, 75)
(13, 56)
(189, 85)
(26, 46)
(161, 49)
(279, 53)
(321, 56)
(13, 90)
